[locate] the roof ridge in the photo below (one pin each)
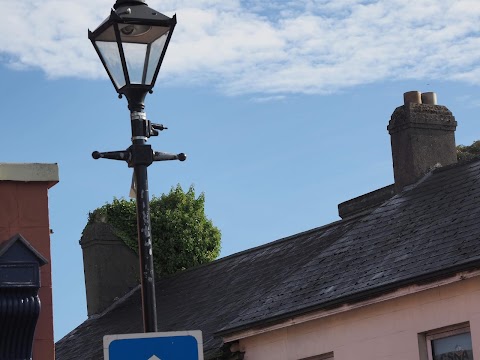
(438, 168)
(457, 164)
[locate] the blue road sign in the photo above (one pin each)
(178, 345)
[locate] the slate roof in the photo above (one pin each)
(430, 230)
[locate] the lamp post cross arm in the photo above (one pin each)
(138, 155)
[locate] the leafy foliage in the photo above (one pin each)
(182, 235)
(470, 152)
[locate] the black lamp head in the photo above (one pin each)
(131, 44)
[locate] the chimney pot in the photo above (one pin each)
(422, 135)
(429, 98)
(414, 97)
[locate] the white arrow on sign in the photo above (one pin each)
(154, 358)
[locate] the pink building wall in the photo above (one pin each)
(393, 329)
(24, 210)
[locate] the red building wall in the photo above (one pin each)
(24, 210)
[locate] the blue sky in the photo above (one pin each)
(281, 108)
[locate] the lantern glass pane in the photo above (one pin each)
(135, 58)
(156, 50)
(111, 57)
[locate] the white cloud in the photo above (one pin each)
(273, 48)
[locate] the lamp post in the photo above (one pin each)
(131, 44)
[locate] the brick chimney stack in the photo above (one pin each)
(24, 217)
(422, 136)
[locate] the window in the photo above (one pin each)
(453, 343)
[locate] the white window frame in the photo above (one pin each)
(445, 332)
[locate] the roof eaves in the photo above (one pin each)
(358, 296)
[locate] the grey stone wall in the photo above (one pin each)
(111, 268)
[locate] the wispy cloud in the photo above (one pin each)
(266, 99)
(274, 48)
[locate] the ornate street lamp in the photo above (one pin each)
(131, 44)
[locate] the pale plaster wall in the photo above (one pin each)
(384, 331)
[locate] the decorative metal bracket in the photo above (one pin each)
(138, 154)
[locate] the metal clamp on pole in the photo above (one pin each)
(155, 128)
(162, 156)
(112, 155)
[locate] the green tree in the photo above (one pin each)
(182, 234)
(468, 152)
